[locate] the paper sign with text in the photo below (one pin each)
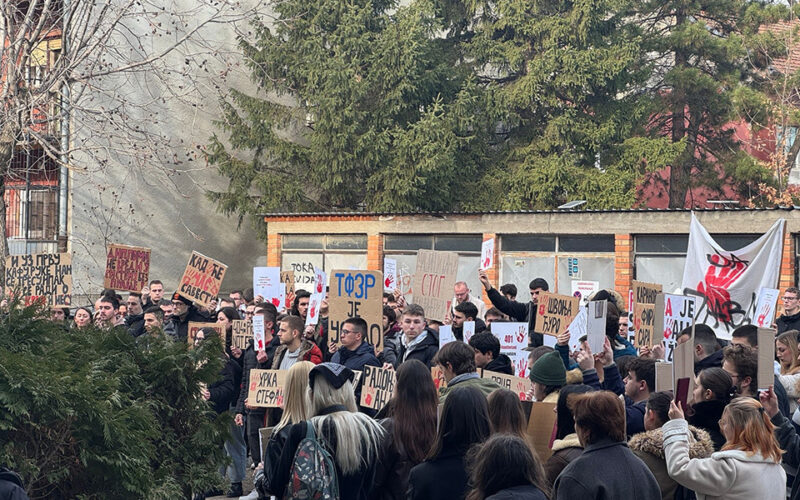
(583, 289)
(554, 313)
(679, 313)
(433, 282)
(266, 389)
(765, 309)
(378, 387)
(356, 294)
(513, 339)
(267, 284)
(518, 385)
(259, 335)
(596, 325)
(241, 333)
(645, 293)
(644, 322)
(390, 279)
(40, 279)
(487, 254)
(127, 268)
(191, 332)
(469, 330)
(577, 329)
(202, 279)
(445, 335)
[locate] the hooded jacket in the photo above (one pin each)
(424, 351)
(786, 323)
(649, 447)
(501, 364)
(308, 352)
(11, 486)
(729, 475)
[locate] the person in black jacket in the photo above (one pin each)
(183, 312)
(135, 318)
(11, 485)
(790, 319)
(464, 422)
(518, 311)
(713, 390)
(354, 352)
(487, 354)
(463, 312)
(506, 469)
(416, 342)
(222, 392)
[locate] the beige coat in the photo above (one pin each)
(728, 475)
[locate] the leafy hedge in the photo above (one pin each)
(99, 414)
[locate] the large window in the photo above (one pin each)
(559, 259)
(31, 198)
(404, 247)
(301, 253)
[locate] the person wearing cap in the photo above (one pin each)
(518, 311)
(457, 361)
(183, 311)
(352, 438)
(548, 376)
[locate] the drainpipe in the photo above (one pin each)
(63, 181)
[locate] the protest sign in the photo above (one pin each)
(445, 335)
(287, 278)
(631, 329)
(555, 312)
(487, 254)
(679, 313)
(644, 322)
(469, 330)
(664, 377)
(765, 309)
(390, 279)
(259, 335)
(577, 328)
(683, 363)
(645, 293)
(378, 387)
(202, 279)
(127, 268)
(264, 434)
(584, 289)
(194, 326)
(266, 389)
(241, 333)
(320, 281)
(518, 385)
(314, 303)
(356, 294)
(42, 278)
(267, 284)
(513, 339)
(433, 282)
(438, 377)
(540, 428)
(596, 325)
(766, 358)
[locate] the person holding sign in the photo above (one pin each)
(416, 342)
(463, 312)
(518, 311)
(293, 346)
(790, 319)
(457, 361)
(354, 353)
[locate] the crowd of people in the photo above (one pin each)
(615, 436)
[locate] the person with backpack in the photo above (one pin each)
(334, 454)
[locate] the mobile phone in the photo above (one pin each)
(682, 392)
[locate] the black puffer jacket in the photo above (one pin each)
(424, 351)
(786, 323)
(223, 391)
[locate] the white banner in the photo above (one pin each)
(727, 282)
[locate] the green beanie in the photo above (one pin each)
(549, 370)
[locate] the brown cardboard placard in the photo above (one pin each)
(664, 377)
(356, 294)
(241, 333)
(433, 282)
(683, 364)
(644, 323)
(266, 388)
(645, 293)
(518, 385)
(202, 279)
(555, 312)
(44, 278)
(127, 268)
(378, 387)
(540, 428)
(438, 377)
(766, 357)
(191, 332)
(658, 319)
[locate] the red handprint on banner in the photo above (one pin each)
(722, 272)
(762, 315)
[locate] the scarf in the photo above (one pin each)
(414, 343)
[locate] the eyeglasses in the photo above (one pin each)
(249, 313)
(178, 303)
(347, 332)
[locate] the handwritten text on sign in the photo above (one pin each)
(644, 317)
(378, 387)
(433, 283)
(127, 268)
(518, 385)
(555, 312)
(194, 327)
(41, 278)
(242, 332)
(513, 339)
(645, 293)
(357, 294)
(266, 388)
(202, 279)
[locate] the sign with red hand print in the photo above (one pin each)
(765, 310)
(487, 254)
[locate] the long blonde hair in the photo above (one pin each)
(297, 405)
(789, 339)
(752, 429)
(357, 436)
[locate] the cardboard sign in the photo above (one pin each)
(433, 282)
(195, 326)
(487, 254)
(596, 325)
(765, 309)
(645, 293)
(438, 377)
(513, 339)
(287, 278)
(766, 358)
(390, 279)
(40, 279)
(445, 335)
(679, 314)
(644, 320)
(378, 387)
(683, 363)
(259, 335)
(127, 268)
(202, 279)
(357, 294)
(242, 333)
(577, 329)
(267, 284)
(554, 313)
(584, 289)
(518, 385)
(266, 388)
(664, 377)
(469, 330)
(540, 428)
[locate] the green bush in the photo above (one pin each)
(99, 414)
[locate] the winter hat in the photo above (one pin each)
(177, 296)
(539, 283)
(549, 370)
(334, 373)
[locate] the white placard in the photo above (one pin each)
(320, 279)
(390, 278)
(445, 335)
(513, 339)
(596, 325)
(577, 329)
(487, 254)
(469, 330)
(583, 289)
(765, 310)
(258, 332)
(267, 283)
(314, 303)
(679, 313)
